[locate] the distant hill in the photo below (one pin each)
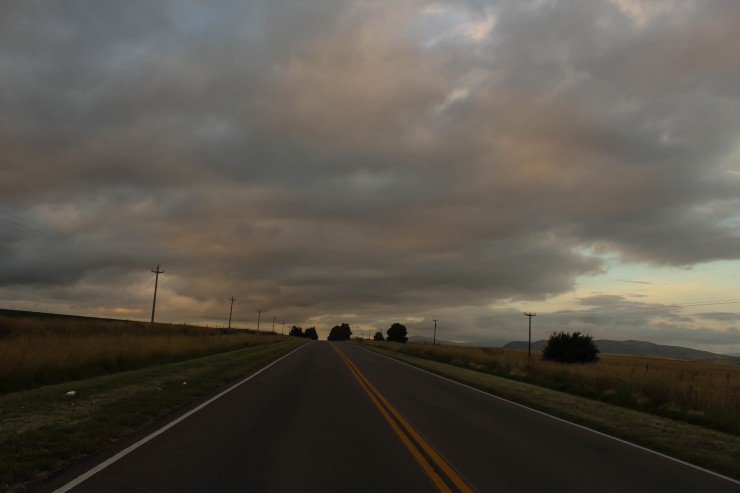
(639, 348)
(430, 340)
(23, 313)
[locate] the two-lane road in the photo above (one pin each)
(337, 418)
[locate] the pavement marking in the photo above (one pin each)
(537, 411)
(128, 450)
(434, 465)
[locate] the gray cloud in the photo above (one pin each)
(332, 159)
(719, 316)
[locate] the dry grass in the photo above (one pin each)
(698, 392)
(38, 351)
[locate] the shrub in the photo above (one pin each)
(565, 347)
(397, 333)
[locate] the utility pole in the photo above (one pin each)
(435, 330)
(231, 309)
(273, 325)
(282, 331)
(259, 314)
(156, 281)
(529, 345)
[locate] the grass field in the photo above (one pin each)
(702, 393)
(36, 351)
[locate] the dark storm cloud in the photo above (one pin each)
(359, 159)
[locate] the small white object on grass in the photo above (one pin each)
(71, 393)
(184, 383)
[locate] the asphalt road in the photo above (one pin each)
(314, 422)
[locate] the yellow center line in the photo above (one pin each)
(432, 463)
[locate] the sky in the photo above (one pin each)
(372, 162)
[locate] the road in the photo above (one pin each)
(333, 417)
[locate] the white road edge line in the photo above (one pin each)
(128, 450)
(693, 466)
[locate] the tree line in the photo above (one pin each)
(563, 347)
(309, 333)
(343, 332)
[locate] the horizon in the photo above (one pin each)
(371, 163)
(366, 334)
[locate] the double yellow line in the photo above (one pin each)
(441, 473)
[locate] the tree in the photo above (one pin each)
(379, 336)
(311, 333)
(397, 333)
(565, 347)
(296, 331)
(340, 333)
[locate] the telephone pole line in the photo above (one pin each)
(156, 281)
(259, 314)
(273, 325)
(529, 345)
(435, 330)
(231, 309)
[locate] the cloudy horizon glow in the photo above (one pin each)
(372, 162)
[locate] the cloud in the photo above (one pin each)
(347, 158)
(719, 316)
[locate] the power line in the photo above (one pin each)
(678, 305)
(42, 232)
(603, 314)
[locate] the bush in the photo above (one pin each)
(397, 333)
(565, 347)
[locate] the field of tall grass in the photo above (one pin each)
(36, 351)
(703, 393)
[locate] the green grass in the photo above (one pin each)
(712, 449)
(43, 430)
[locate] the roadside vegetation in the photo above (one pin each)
(565, 347)
(397, 333)
(707, 394)
(710, 448)
(36, 351)
(310, 333)
(341, 332)
(93, 402)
